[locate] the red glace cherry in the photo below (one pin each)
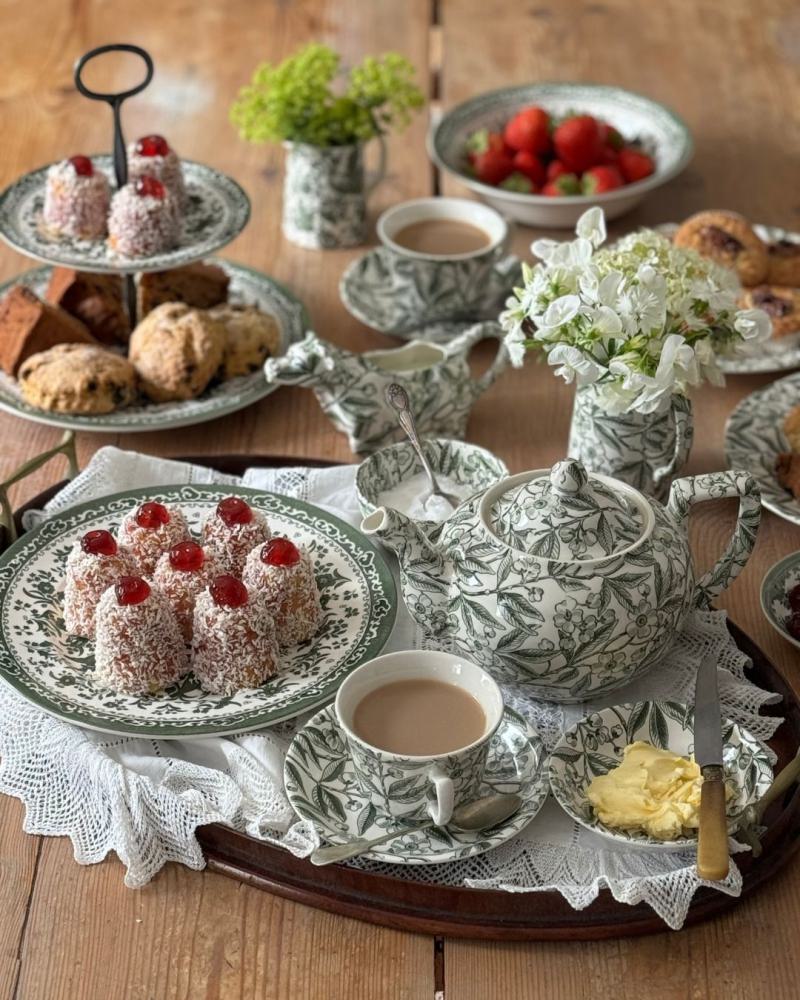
(152, 145)
(793, 597)
(152, 515)
(131, 590)
(234, 510)
(228, 592)
(187, 557)
(151, 186)
(280, 552)
(82, 165)
(99, 543)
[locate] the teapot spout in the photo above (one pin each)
(416, 553)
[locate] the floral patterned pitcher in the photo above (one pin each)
(325, 194)
(645, 450)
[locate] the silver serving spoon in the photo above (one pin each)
(482, 814)
(397, 398)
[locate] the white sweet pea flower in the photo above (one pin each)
(592, 226)
(606, 322)
(753, 325)
(515, 344)
(561, 311)
(706, 360)
(677, 368)
(544, 249)
(575, 366)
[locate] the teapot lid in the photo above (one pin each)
(569, 516)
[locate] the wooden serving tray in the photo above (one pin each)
(491, 914)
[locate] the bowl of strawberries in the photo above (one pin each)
(543, 153)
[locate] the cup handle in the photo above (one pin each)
(684, 431)
(441, 810)
(464, 342)
(714, 486)
(374, 177)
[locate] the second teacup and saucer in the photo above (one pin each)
(349, 788)
(443, 262)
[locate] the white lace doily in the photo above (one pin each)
(144, 799)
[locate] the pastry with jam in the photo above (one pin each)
(728, 239)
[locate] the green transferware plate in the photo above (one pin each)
(246, 286)
(55, 671)
(321, 784)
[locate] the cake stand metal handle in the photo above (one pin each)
(115, 100)
(66, 447)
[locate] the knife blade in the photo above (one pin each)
(707, 718)
(712, 835)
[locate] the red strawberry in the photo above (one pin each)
(493, 166)
(564, 184)
(529, 165)
(529, 130)
(611, 137)
(555, 168)
(578, 142)
(598, 180)
(482, 140)
(635, 165)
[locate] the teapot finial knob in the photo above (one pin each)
(569, 477)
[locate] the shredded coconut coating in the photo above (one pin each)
(139, 648)
(181, 587)
(140, 226)
(232, 544)
(75, 205)
(147, 544)
(88, 577)
(292, 595)
(166, 169)
(233, 648)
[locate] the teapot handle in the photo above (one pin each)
(464, 342)
(714, 486)
(684, 431)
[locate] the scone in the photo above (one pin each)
(176, 351)
(784, 263)
(251, 337)
(787, 471)
(791, 428)
(782, 305)
(78, 378)
(728, 239)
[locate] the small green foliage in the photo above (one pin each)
(307, 98)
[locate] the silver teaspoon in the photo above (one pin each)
(482, 814)
(397, 398)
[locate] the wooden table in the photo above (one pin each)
(731, 69)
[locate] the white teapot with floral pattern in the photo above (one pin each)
(574, 583)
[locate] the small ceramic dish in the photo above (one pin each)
(595, 745)
(660, 131)
(778, 581)
(466, 464)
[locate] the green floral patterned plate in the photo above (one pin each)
(778, 581)
(595, 745)
(754, 438)
(217, 211)
(55, 671)
(322, 787)
(246, 286)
